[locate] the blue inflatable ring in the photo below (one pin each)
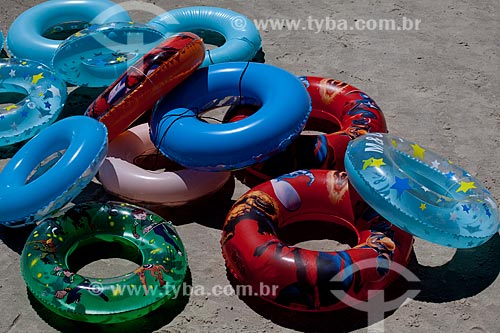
(182, 137)
(98, 55)
(25, 38)
(242, 39)
(31, 190)
(45, 98)
(1, 40)
(420, 191)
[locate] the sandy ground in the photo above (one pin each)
(437, 86)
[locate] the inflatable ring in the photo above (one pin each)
(304, 278)
(182, 137)
(339, 110)
(151, 77)
(56, 183)
(111, 229)
(45, 98)
(421, 191)
(1, 41)
(242, 39)
(120, 176)
(25, 38)
(98, 55)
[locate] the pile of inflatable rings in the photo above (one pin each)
(353, 176)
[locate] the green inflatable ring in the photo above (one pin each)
(135, 233)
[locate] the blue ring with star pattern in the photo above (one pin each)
(44, 97)
(1, 40)
(51, 169)
(420, 191)
(98, 55)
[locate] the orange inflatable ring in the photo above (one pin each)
(304, 279)
(151, 77)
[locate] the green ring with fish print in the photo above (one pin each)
(60, 246)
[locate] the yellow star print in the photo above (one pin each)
(37, 78)
(121, 59)
(367, 163)
(418, 151)
(10, 107)
(373, 162)
(394, 143)
(377, 162)
(423, 206)
(465, 186)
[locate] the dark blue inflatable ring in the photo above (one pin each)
(51, 169)
(181, 136)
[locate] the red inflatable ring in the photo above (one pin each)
(151, 77)
(340, 110)
(303, 279)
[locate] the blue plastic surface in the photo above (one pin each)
(45, 98)
(25, 38)
(193, 143)
(28, 195)
(420, 191)
(1, 40)
(98, 55)
(242, 37)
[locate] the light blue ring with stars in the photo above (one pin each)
(420, 191)
(45, 98)
(1, 40)
(51, 169)
(242, 39)
(25, 38)
(98, 55)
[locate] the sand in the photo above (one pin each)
(437, 86)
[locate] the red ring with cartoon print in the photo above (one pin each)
(339, 110)
(304, 279)
(151, 77)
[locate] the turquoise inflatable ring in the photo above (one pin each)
(26, 38)
(59, 246)
(421, 192)
(45, 98)
(242, 40)
(51, 169)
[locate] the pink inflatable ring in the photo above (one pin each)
(120, 175)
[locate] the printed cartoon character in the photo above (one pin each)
(314, 275)
(155, 271)
(361, 110)
(336, 183)
(381, 240)
(162, 228)
(329, 89)
(47, 247)
(77, 284)
(68, 276)
(296, 174)
(256, 202)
